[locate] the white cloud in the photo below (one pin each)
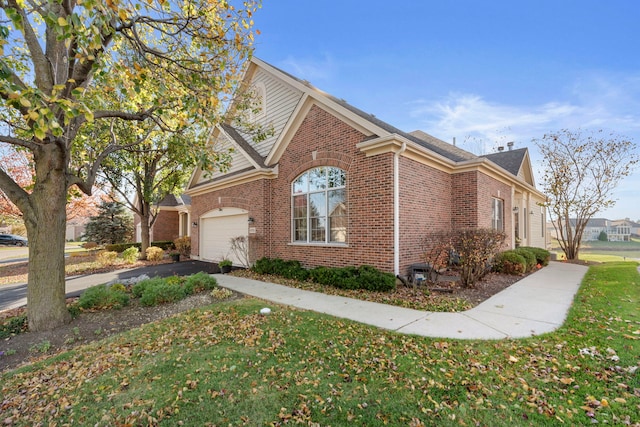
(595, 101)
(310, 69)
(471, 116)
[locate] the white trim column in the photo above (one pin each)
(396, 209)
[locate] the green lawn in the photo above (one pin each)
(605, 251)
(228, 365)
(608, 256)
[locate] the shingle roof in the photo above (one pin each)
(510, 160)
(171, 200)
(454, 150)
(246, 147)
(432, 143)
(592, 222)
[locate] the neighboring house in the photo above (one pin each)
(173, 220)
(634, 227)
(616, 230)
(75, 229)
(621, 230)
(594, 227)
(335, 186)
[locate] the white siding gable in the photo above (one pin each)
(239, 161)
(281, 100)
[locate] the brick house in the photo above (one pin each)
(172, 220)
(336, 186)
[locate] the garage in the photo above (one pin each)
(217, 228)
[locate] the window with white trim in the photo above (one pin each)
(319, 206)
(497, 214)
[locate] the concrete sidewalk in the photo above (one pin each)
(537, 304)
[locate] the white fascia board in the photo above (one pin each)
(233, 180)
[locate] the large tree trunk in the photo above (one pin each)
(45, 222)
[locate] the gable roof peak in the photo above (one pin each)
(511, 160)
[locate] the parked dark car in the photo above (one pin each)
(12, 239)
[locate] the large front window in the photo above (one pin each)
(319, 206)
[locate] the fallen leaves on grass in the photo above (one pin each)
(240, 368)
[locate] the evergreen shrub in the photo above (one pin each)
(510, 262)
(103, 297)
(542, 255)
(529, 257)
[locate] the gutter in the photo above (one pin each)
(396, 208)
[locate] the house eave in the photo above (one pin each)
(394, 144)
(489, 168)
(232, 180)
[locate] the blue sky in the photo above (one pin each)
(484, 72)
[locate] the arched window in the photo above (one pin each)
(319, 206)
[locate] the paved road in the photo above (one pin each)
(13, 254)
(13, 296)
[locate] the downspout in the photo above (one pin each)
(396, 208)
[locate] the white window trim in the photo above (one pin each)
(309, 242)
(494, 204)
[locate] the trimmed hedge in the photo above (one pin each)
(279, 267)
(363, 277)
(510, 262)
(529, 258)
(120, 247)
(542, 255)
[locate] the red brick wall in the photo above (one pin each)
(464, 190)
(425, 206)
(166, 226)
(472, 201)
(430, 200)
(369, 195)
(252, 197)
(488, 188)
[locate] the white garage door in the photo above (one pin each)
(217, 229)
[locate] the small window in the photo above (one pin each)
(319, 206)
(497, 214)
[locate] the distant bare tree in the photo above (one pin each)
(581, 171)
